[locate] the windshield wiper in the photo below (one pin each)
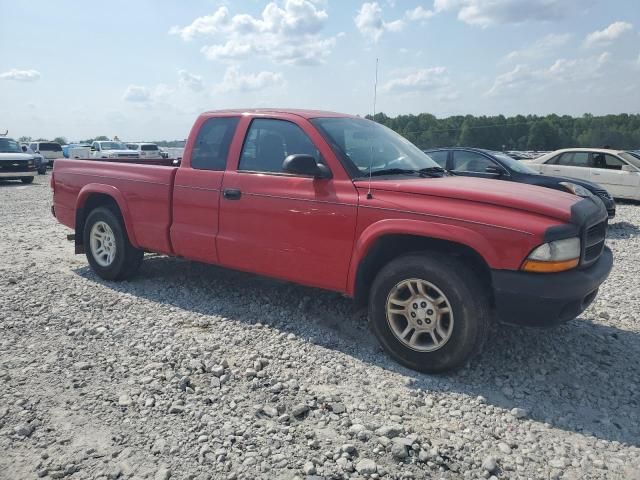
(393, 171)
(434, 172)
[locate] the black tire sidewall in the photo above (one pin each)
(469, 305)
(115, 270)
(27, 180)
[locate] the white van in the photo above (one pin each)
(49, 150)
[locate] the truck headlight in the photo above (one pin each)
(556, 256)
(576, 189)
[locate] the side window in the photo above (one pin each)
(470, 162)
(212, 143)
(270, 141)
(439, 157)
(33, 147)
(604, 160)
(574, 159)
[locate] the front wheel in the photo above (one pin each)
(27, 179)
(107, 246)
(429, 312)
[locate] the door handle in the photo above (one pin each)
(232, 194)
(595, 173)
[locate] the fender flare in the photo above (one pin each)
(117, 196)
(431, 230)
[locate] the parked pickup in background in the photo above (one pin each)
(113, 150)
(345, 204)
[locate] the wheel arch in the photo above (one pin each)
(379, 244)
(93, 196)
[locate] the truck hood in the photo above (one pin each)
(15, 156)
(529, 198)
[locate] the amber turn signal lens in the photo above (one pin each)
(538, 266)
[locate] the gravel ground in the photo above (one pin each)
(191, 371)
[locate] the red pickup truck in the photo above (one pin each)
(342, 203)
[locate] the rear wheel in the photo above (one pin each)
(429, 312)
(107, 246)
(27, 179)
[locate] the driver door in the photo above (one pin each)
(283, 225)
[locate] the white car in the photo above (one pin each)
(616, 170)
(112, 149)
(146, 150)
(49, 150)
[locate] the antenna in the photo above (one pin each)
(375, 97)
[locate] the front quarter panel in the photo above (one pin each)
(503, 237)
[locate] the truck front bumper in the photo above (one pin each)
(18, 174)
(547, 299)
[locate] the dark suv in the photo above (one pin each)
(476, 162)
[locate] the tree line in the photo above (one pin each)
(99, 138)
(521, 132)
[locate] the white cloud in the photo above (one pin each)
(523, 79)
(370, 23)
(540, 48)
(425, 79)
(287, 34)
(190, 81)
(419, 14)
(20, 75)
(608, 35)
(235, 81)
(137, 94)
(490, 12)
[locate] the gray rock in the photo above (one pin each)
(124, 400)
(389, 431)
(398, 450)
(490, 464)
(366, 466)
(309, 468)
(519, 412)
(299, 410)
(163, 473)
(24, 429)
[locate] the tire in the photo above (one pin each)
(123, 259)
(42, 171)
(461, 332)
(27, 179)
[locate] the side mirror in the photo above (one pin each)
(628, 168)
(493, 170)
(301, 164)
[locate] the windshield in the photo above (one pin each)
(632, 157)
(513, 164)
(113, 146)
(147, 148)
(49, 147)
(8, 145)
(365, 143)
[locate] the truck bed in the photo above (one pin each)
(143, 191)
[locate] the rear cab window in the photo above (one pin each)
(211, 147)
(149, 148)
(50, 147)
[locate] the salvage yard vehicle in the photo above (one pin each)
(49, 150)
(112, 149)
(40, 161)
(342, 203)
(14, 163)
(146, 150)
(616, 170)
(477, 162)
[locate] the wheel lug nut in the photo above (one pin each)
(413, 314)
(415, 305)
(429, 312)
(423, 304)
(428, 321)
(419, 322)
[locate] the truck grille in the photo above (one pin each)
(15, 166)
(594, 241)
(128, 155)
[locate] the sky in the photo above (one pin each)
(144, 69)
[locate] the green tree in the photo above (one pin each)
(60, 140)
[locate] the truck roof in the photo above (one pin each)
(293, 111)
